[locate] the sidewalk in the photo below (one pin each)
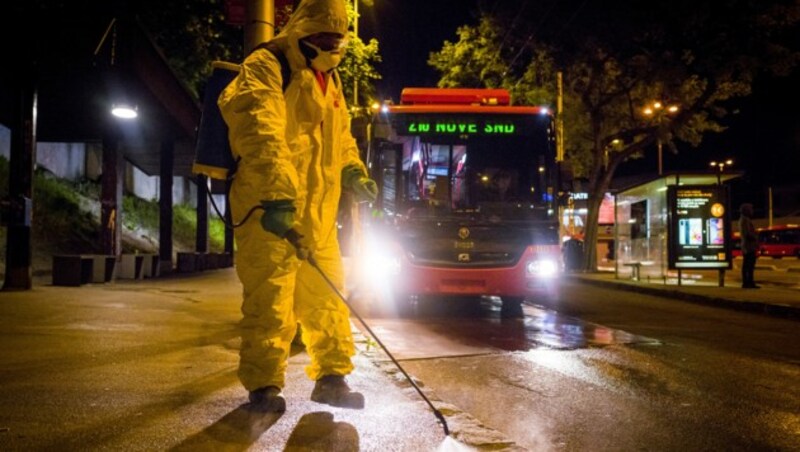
(778, 296)
(151, 365)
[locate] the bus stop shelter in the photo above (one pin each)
(673, 223)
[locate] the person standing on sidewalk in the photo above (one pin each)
(749, 238)
(295, 155)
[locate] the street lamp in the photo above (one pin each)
(720, 166)
(616, 143)
(658, 111)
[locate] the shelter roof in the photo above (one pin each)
(81, 63)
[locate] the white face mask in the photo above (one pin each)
(325, 61)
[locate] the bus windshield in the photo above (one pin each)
(501, 177)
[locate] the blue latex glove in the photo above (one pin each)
(365, 189)
(278, 216)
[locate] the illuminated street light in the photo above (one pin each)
(720, 166)
(616, 143)
(124, 111)
(657, 111)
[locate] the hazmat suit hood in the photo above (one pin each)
(310, 17)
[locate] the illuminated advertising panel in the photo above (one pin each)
(699, 227)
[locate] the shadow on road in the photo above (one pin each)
(236, 431)
(318, 431)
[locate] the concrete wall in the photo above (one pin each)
(184, 191)
(75, 161)
(65, 160)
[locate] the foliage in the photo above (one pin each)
(57, 214)
(56, 207)
(359, 64)
(144, 214)
(616, 57)
(192, 35)
(64, 223)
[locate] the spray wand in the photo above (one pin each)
(293, 237)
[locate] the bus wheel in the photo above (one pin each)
(511, 308)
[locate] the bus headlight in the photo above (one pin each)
(379, 262)
(542, 268)
(380, 265)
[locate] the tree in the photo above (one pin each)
(616, 58)
(191, 34)
(359, 65)
(194, 33)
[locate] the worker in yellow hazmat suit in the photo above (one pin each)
(295, 153)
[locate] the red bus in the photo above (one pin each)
(779, 241)
(466, 204)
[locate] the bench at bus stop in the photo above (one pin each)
(189, 262)
(78, 269)
(636, 268)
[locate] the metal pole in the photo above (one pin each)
(259, 23)
(560, 118)
(20, 179)
(769, 194)
(660, 157)
(355, 34)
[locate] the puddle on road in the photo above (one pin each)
(540, 328)
(553, 330)
(461, 330)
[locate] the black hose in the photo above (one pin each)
(294, 237)
(222, 217)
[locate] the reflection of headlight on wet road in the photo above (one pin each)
(542, 267)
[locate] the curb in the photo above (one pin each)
(757, 307)
(469, 431)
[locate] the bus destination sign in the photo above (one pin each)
(470, 125)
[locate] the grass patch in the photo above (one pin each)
(63, 225)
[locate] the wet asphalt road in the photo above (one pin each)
(596, 369)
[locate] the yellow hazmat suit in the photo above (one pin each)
(291, 146)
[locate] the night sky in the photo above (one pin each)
(407, 32)
(763, 138)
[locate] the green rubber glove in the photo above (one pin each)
(278, 216)
(365, 189)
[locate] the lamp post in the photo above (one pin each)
(720, 166)
(658, 112)
(355, 34)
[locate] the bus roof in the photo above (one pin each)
(461, 100)
(458, 96)
(482, 109)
